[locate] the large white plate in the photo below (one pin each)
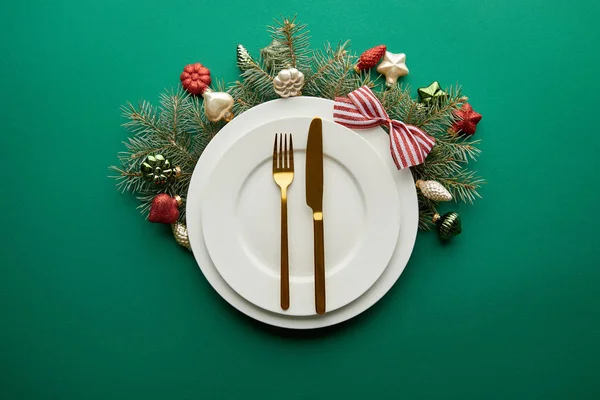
(241, 218)
(234, 130)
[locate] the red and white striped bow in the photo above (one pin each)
(361, 110)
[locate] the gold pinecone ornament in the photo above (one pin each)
(448, 225)
(434, 190)
(180, 233)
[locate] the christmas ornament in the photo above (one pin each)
(164, 209)
(268, 52)
(448, 225)
(409, 145)
(370, 58)
(431, 94)
(158, 169)
(195, 78)
(467, 120)
(218, 105)
(393, 66)
(288, 82)
(433, 190)
(244, 59)
(180, 233)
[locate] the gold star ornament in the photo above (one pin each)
(393, 66)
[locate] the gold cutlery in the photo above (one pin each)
(314, 199)
(283, 174)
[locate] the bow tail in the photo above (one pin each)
(409, 145)
(426, 142)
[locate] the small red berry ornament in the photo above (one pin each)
(195, 78)
(467, 120)
(370, 58)
(164, 209)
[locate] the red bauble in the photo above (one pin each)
(164, 209)
(195, 78)
(467, 120)
(370, 58)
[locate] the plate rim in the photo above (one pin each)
(380, 250)
(301, 106)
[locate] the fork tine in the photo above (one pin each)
(286, 163)
(275, 153)
(291, 154)
(281, 151)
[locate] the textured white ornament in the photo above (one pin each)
(393, 66)
(434, 190)
(288, 82)
(217, 105)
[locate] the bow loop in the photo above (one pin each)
(409, 145)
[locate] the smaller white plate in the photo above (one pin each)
(241, 218)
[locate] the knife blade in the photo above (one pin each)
(314, 199)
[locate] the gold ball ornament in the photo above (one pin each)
(218, 105)
(448, 225)
(288, 82)
(180, 233)
(433, 190)
(393, 66)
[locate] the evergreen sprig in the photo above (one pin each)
(179, 130)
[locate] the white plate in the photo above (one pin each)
(234, 130)
(241, 218)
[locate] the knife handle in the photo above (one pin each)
(319, 263)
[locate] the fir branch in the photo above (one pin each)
(141, 120)
(295, 49)
(334, 73)
(324, 60)
(427, 209)
(171, 130)
(245, 98)
(257, 80)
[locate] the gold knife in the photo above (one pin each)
(314, 199)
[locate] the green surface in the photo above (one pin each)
(95, 303)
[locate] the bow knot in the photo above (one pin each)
(409, 145)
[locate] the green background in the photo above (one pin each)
(95, 303)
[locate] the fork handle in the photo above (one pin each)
(319, 263)
(285, 267)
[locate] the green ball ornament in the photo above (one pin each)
(158, 169)
(448, 225)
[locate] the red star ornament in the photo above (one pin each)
(467, 120)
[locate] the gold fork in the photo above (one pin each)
(283, 174)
